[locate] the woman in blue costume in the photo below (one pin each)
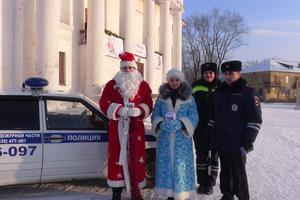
(173, 122)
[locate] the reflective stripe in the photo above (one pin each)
(200, 88)
(201, 165)
(256, 124)
(254, 127)
(211, 123)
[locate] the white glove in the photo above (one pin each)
(123, 112)
(134, 112)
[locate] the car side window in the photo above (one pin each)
(19, 114)
(71, 115)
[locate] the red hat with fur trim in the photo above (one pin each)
(127, 60)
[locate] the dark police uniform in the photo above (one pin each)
(207, 160)
(237, 123)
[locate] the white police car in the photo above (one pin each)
(51, 137)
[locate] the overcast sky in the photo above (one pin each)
(274, 26)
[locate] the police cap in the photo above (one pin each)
(209, 67)
(233, 66)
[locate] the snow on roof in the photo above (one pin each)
(273, 65)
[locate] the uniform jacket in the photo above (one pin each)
(203, 93)
(175, 159)
(110, 102)
(237, 117)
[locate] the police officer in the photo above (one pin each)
(207, 160)
(237, 123)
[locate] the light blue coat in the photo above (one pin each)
(175, 153)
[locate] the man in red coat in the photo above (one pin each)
(126, 101)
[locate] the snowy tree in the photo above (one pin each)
(210, 38)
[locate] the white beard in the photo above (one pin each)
(128, 83)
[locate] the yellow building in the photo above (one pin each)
(275, 80)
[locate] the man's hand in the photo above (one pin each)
(134, 112)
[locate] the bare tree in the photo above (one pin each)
(210, 38)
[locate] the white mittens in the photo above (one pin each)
(129, 112)
(134, 112)
(123, 112)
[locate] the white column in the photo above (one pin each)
(149, 8)
(128, 25)
(177, 38)
(29, 41)
(95, 48)
(165, 35)
(47, 38)
(8, 26)
(77, 20)
(18, 43)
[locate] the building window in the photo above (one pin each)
(65, 12)
(62, 68)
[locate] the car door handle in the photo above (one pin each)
(55, 138)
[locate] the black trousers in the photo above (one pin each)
(233, 176)
(203, 177)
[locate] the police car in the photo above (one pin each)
(53, 136)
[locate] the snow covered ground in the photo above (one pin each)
(273, 167)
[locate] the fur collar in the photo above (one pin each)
(183, 92)
(236, 85)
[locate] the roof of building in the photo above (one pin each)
(273, 64)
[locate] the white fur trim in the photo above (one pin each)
(188, 125)
(155, 123)
(116, 183)
(111, 111)
(185, 195)
(195, 163)
(145, 109)
(121, 183)
(128, 64)
(171, 193)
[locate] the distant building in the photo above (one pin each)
(75, 43)
(275, 80)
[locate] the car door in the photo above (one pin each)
(20, 140)
(75, 140)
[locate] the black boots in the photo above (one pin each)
(170, 198)
(205, 190)
(227, 198)
(117, 193)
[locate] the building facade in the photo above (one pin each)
(75, 43)
(275, 80)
